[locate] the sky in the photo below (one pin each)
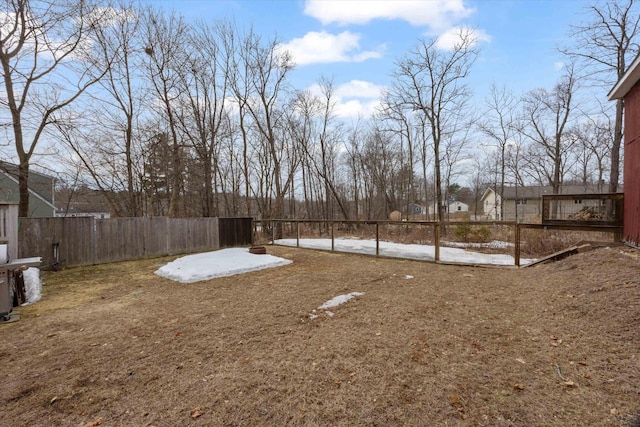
(356, 43)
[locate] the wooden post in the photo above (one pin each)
(517, 245)
(273, 232)
(333, 248)
(297, 234)
(377, 239)
(436, 238)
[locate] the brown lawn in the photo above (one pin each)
(115, 345)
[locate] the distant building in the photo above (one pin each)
(526, 202)
(83, 202)
(41, 190)
(415, 209)
(455, 206)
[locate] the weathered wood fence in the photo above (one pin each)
(87, 240)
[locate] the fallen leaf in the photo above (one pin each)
(518, 386)
(53, 400)
(94, 423)
(582, 363)
(197, 412)
(613, 411)
(569, 383)
(455, 401)
(178, 334)
(521, 360)
(586, 375)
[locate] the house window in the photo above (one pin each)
(577, 201)
(459, 208)
(521, 201)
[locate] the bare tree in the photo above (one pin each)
(395, 119)
(318, 134)
(203, 115)
(545, 121)
(498, 124)
(267, 66)
(45, 52)
(166, 38)
(431, 82)
(606, 44)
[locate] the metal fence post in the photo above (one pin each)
(517, 245)
(436, 238)
(332, 239)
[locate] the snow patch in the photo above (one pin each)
(334, 302)
(222, 263)
(412, 251)
(32, 285)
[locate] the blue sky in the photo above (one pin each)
(357, 42)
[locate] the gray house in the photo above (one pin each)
(41, 192)
(525, 203)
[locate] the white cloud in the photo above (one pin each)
(452, 37)
(355, 99)
(322, 47)
(359, 89)
(356, 108)
(559, 65)
(437, 14)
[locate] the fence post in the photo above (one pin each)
(517, 245)
(297, 234)
(333, 248)
(436, 239)
(273, 232)
(377, 239)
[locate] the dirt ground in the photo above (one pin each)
(115, 345)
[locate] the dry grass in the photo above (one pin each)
(555, 345)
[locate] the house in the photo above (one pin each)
(415, 209)
(454, 206)
(521, 203)
(83, 201)
(41, 190)
(628, 89)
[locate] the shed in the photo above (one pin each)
(628, 89)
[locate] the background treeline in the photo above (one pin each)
(172, 118)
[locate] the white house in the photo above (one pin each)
(455, 206)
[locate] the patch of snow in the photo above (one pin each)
(221, 263)
(340, 299)
(32, 285)
(408, 277)
(334, 302)
(411, 251)
(494, 244)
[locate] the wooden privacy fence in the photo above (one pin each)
(87, 240)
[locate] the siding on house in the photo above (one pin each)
(40, 186)
(631, 171)
(525, 203)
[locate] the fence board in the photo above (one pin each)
(85, 241)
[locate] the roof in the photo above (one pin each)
(40, 184)
(627, 82)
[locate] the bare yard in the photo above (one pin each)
(115, 345)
